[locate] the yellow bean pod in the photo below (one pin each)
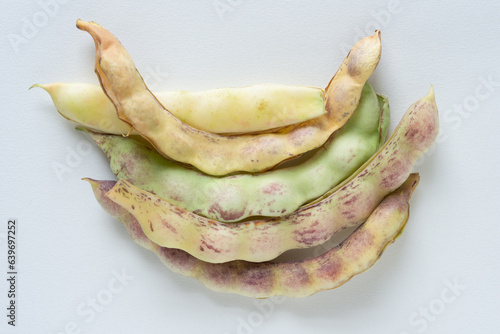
(224, 110)
(353, 256)
(262, 240)
(273, 193)
(215, 154)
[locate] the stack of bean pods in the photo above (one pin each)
(203, 182)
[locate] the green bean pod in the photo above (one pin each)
(262, 240)
(272, 193)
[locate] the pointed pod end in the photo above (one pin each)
(102, 37)
(431, 98)
(36, 85)
(430, 94)
(94, 29)
(83, 25)
(93, 183)
(100, 187)
(376, 37)
(51, 88)
(375, 40)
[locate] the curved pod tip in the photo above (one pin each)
(46, 87)
(83, 25)
(92, 27)
(430, 95)
(93, 183)
(377, 35)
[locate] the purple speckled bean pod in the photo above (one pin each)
(273, 193)
(262, 240)
(216, 154)
(293, 279)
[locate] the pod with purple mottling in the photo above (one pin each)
(262, 240)
(273, 193)
(330, 270)
(215, 154)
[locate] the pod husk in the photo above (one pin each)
(253, 109)
(262, 240)
(330, 270)
(273, 193)
(215, 154)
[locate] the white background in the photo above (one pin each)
(69, 248)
